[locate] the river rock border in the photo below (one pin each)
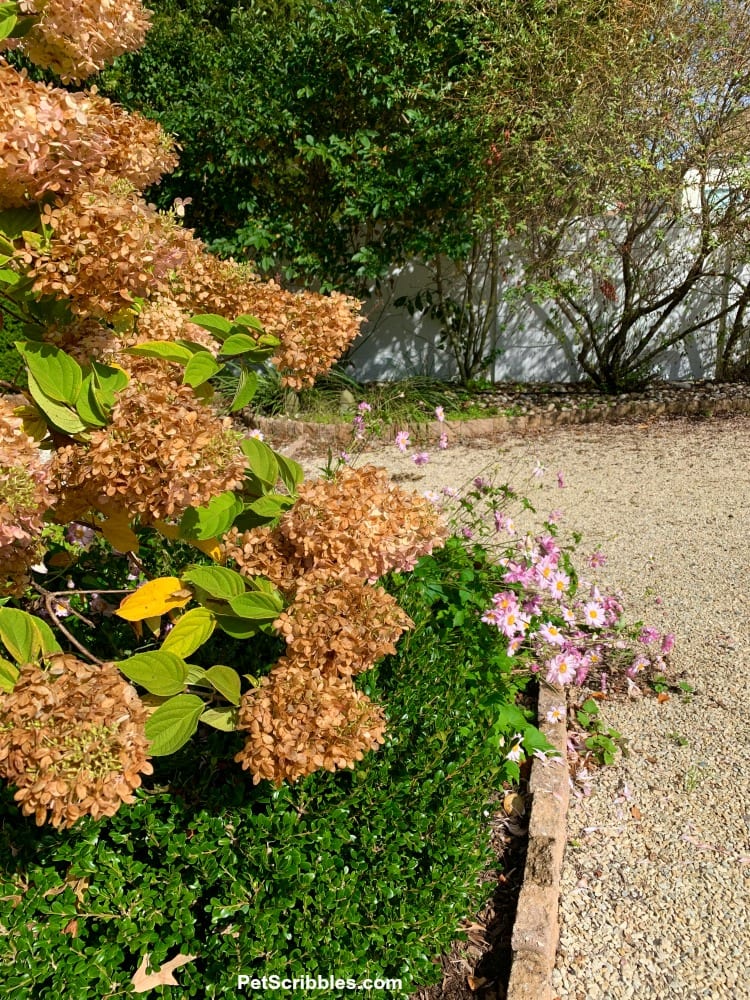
(713, 400)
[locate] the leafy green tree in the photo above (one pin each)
(624, 181)
(319, 139)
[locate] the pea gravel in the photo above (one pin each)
(656, 880)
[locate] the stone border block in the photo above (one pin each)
(536, 931)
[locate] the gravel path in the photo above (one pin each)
(656, 881)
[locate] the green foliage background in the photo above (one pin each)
(321, 139)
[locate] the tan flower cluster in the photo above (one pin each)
(341, 625)
(107, 246)
(76, 38)
(52, 141)
(313, 329)
(24, 497)
(72, 741)
(301, 720)
(358, 523)
(163, 452)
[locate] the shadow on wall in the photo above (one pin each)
(397, 343)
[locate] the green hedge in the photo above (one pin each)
(363, 874)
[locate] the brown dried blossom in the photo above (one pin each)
(72, 741)
(24, 497)
(300, 720)
(163, 452)
(76, 38)
(341, 625)
(51, 141)
(358, 523)
(106, 247)
(313, 329)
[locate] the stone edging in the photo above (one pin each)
(285, 430)
(536, 930)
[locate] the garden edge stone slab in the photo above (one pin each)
(536, 930)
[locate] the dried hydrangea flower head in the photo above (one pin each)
(341, 625)
(76, 38)
(163, 452)
(72, 741)
(106, 247)
(357, 523)
(299, 720)
(313, 329)
(24, 497)
(51, 141)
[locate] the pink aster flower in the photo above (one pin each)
(597, 559)
(561, 669)
(402, 441)
(514, 645)
(503, 523)
(538, 470)
(556, 714)
(593, 614)
(551, 634)
(555, 516)
(559, 587)
(439, 414)
(443, 442)
(667, 643)
(255, 433)
(505, 600)
(560, 480)
(568, 616)
(421, 458)
(364, 407)
(80, 534)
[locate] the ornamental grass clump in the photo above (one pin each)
(72, 740)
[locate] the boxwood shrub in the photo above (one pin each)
(360, 874)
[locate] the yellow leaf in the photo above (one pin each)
(60, 560)
(170, 531)
(116, 529)
(143, 980)
(154, 598)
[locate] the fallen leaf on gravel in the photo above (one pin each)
(661, 698)
(143, 980)
(513, 804)
(476, 983)
(635, 812)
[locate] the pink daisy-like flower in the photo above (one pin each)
(514, 645)
(593, 615)
(439, 414)
(443, 442)
(505, 601)
(538, 470)
(597, 559)
(555, 516)
(561, 669)
(556, 714)
(560, 480)
(559, 587)
(551, 634)
(255, 433)
(568, 616)
(402, 441)
(421, 458)
(364, 407)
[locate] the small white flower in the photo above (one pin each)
(556, 714)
